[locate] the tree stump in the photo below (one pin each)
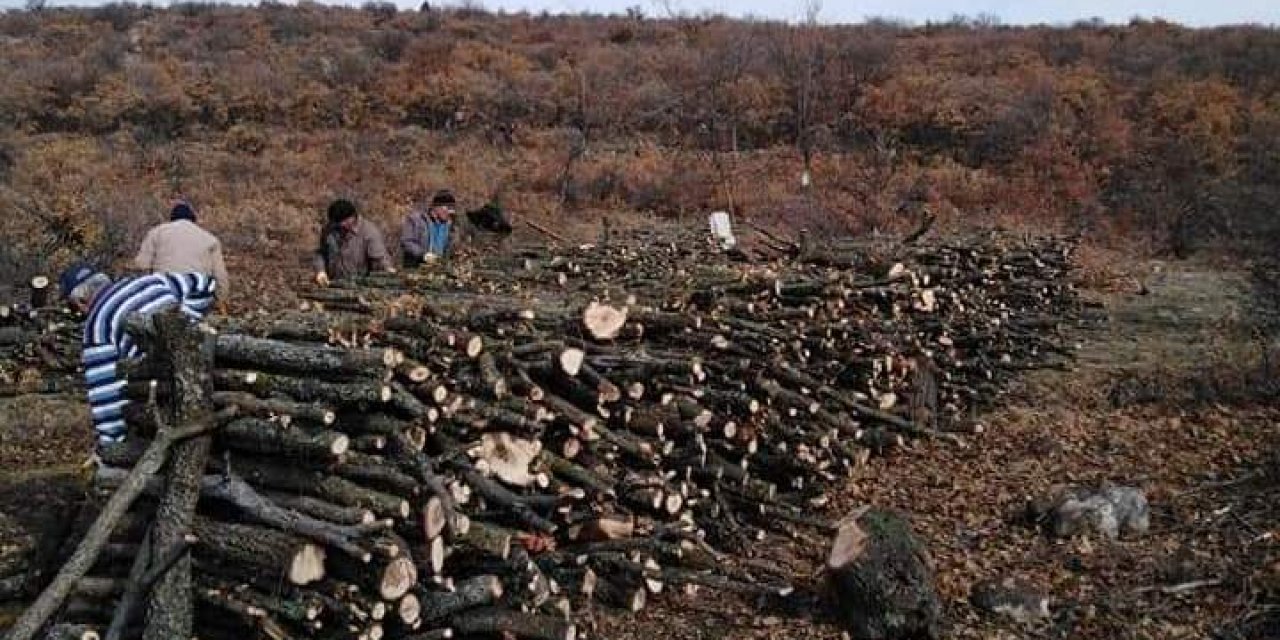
(879, 583)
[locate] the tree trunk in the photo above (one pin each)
(286, 410)
(260, 436)
(321, 509)
(879, 581)
(238, 492)
(390, 574)
(280, 554)
(284, 357)
(470, 593)
(488, 538)
(507, 622)
(265, 473)
(360, 395)
(189, 353)
(377, 472)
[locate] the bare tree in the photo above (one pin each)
(722, 66)
(798, 55)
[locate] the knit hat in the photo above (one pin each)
(443, 198)
(182, 211)
(74, 276)
(340, 210)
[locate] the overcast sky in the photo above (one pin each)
(1188, 12)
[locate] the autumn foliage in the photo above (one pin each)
(1149, 135)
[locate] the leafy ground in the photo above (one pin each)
(1169, 395)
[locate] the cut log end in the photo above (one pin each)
(571, 361)
(437, 555)
(399, 576)
(409, 609)
(392, 357)
(340, 445)
(307, 565)
(416, 437)
(473, 346)
(603, 322)
(439, 394)
(673, 503)
(494, 587)
(637, 600)
(434, 518)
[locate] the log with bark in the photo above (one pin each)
(278, 554)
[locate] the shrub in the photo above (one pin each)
(248, 139)
(381, 11)
(120, 15)
(387, 44)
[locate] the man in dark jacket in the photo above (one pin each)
(350, 246)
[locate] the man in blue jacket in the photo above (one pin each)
(107, 306)
(428, 232)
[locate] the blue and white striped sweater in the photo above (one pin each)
(106, 342)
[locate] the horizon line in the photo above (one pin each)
(976, 20)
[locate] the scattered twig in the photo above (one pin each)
(1176, 589)
(547, 232)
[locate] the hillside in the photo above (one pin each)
(1147, 136)
(1135, 348)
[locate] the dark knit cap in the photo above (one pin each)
(443, 198)
(340, 210)
(74, 276)
(182, 211)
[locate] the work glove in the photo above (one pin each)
(322, 278)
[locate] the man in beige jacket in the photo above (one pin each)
(181, 246)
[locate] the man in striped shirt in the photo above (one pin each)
(108, 305)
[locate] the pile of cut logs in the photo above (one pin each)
(39, 344)
(486, 448)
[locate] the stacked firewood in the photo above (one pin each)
(490, 446)
(39, 345)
